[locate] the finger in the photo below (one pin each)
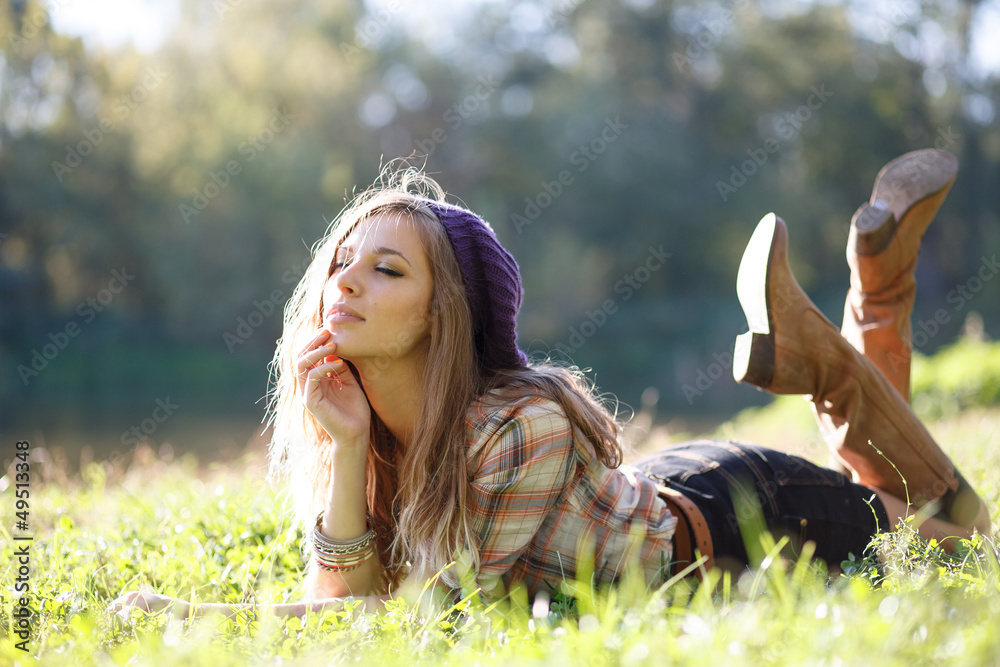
(127, 598)
(313, 357)
(120, 603)
(332, 370)
(333, 367)
(308, 361)
(309, 375)
(318, 336)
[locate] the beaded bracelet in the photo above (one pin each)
(343, 565)
(338, 555)
(336, 550)
(324, 544)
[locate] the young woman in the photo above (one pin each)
(416, 434)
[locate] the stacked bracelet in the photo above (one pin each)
(340, 556)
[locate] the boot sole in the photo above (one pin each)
(901, 185)
(753, 358)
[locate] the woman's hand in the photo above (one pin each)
(148, 602)
(331, 393)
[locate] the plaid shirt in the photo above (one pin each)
(539, 496)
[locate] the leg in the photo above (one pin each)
(929, 528)
(882, 252)
(735, 483)
(793, 349)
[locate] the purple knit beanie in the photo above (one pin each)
(492, 285)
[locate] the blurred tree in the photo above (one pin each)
(622, 150)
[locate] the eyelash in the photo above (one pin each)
(392, 273)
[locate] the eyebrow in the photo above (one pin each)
(381, 250)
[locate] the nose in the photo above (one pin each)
(346, 279)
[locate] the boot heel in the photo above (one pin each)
(913, 178)
(915, 183)
(872, 228)
(753, 359)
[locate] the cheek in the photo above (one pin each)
(420, 318)
(327, 298)
(413, 313)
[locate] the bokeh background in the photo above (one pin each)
(165, 167)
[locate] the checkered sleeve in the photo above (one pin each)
(526, 463)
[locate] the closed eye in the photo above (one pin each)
(342, 259)
(337, 266)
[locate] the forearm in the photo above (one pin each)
(345, 519)
(372, 603)
(345, 515)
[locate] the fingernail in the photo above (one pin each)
(330, 358)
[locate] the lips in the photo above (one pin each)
(340, 314)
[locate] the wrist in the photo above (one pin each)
(349, 449)
(334, 526)
(342, 555)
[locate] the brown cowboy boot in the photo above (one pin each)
(792, 348)
(882, 253)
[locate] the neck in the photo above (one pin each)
(394, 393)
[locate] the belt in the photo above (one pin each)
(691, 532)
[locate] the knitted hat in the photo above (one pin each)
(492, 285)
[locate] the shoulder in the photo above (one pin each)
(527, 422)
(493, 412)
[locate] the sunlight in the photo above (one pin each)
(984, 56)
(113, 24)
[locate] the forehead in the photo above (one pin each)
(394, 228)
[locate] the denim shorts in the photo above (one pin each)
(729, 480)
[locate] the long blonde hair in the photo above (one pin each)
(416, 498)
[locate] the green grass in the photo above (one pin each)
(219, 533)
